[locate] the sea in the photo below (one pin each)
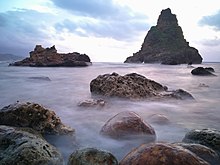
(61, 89)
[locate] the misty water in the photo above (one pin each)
(69, 86)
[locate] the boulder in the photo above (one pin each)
(133, 86)
(161, 154)
(21, 147)
(92, 156)
(208, 137)
(165, 43)
(127, 125)
(34, 116)
(200, 71)
(48, 57)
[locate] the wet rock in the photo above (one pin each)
(21, 147)
(210, 69)
(165, 43)
(200, 71)
(208, 137)
(159, 119)
(202, 151)
(92, 156)
(44, 78)
(161, 154)
(133, 86)
(92, 103)
(49, 57)
(127, 125)
(34, 116)
(203, 85)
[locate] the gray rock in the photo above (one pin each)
(200, 71)
(23, 148)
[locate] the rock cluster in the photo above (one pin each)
(49, 57)
(165, 43)
(133, 86)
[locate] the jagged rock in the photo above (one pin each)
(127, 125)
(161, 153)
(92, 156)
(133, 86)
(202, 151)
(49, 57)
(200, 71)
(165, 43)
(208, 137)
(21, 147)
(34, 116)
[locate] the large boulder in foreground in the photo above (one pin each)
(165, 43)
(34, 116)
(161, 154)
(92, 156)
(208, 137)
(48, 57)
(133, 86)
(127, 125)
(23, 148)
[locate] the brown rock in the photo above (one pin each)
(34, 116)
(161, 154)
(128, 125)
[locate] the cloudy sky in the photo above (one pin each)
(106, 30)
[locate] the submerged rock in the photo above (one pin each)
(49, 57)
(200, 71)
(165, 43)
(21, 147)
(34, 116)
(159, 119)
(92, 103)
(161, 154)
(208, 137)
(133, 86)
(92, 156)
(127, 125)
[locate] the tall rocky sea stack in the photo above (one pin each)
(165, 44)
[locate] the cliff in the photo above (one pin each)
(165, 43)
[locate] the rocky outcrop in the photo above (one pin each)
(200, 71)
(49, 57)
(161, 153)
(133, 86)
(127, 125)
(92, 156)
(35, 116)
(21, 147)
(165, 43)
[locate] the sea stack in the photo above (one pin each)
(165, 44)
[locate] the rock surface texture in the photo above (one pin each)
(161, 154)
(128, 125)
(49, 57)
(19, 147)
(133, 86)
(165, 43)
(92, 156)
(33, 116)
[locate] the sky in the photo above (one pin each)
(105, 30)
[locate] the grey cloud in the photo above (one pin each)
(212, 20)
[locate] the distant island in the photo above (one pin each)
(9, 57)
(48, 57)
(165, 44)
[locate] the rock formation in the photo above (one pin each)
(134, 86)
(200, 71)
(165, 44)
(49, 57)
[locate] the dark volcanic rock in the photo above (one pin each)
(133, 86)
(207, 137)
(34, 116)
(200, 71)
(19, 147)
(49, 57)
(165, 44)
(161, 154)
(92, 156)
(127, 125)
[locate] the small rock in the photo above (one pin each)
(200, 71)
(92, 103)
(159, 119)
